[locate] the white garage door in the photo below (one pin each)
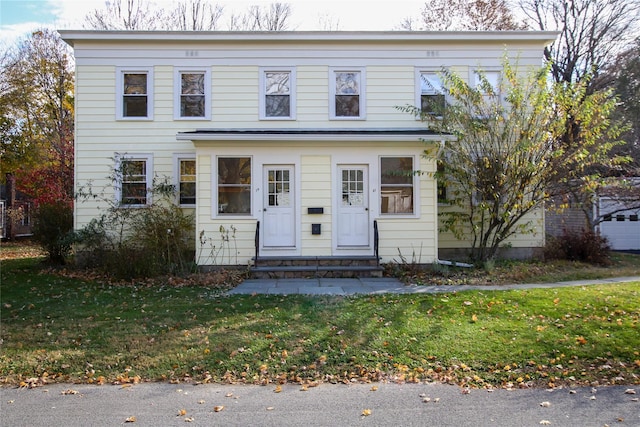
(622, 229)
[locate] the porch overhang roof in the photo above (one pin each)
(339, 135)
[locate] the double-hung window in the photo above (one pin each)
(135, 94)
(192, 100)
(277, 93)
(396, 185)
(234, 185)
(487, 82)
(135, 180)
(347, 93)
(185, 166)
(431, 93)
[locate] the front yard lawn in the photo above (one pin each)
(57, 328)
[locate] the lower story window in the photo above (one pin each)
(136, 176)
(396, 185)
(234, 185)
(187, 184)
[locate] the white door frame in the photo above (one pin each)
(357, 249)
(281, 248)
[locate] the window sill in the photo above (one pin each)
(192, 119)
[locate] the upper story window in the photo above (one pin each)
(347, 93)
(186, 179)
(193, 94)
(396, 185)
(134, 175)
(487, 81)
(277, 94)
(135, 94)
(234, 185)
(431, 93)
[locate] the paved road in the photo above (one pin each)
(159, 404)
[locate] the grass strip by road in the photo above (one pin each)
(63, 329)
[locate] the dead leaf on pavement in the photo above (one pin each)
(69, 391)
(130, 420)
(278, 389)
(374, 388)
(545, 422)
(182, 412)
(218, 408)
(629, 391)
(545, 404)
(366, 412)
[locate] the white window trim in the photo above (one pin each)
(176, 177)
(177, 90)
(362, 94)
(292, 92)
(214, 186)
(418, 85)
(415, 186)
(148, 158)
(120, 72)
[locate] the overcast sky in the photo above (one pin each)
(19, 17)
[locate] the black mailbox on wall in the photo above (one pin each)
(312, 211)
(315, 228)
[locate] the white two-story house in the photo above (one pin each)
(293, 139)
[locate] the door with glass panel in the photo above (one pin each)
(353, 206)
(279, 228)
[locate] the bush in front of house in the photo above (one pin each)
(149, 242)
(585, 246)
(134, 242)
(52, 224)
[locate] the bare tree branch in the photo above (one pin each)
(463, 15)
(592, 32)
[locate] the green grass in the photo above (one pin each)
(56, 328)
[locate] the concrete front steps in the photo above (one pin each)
(315, 267)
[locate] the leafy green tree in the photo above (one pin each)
(505, 155)
(623, 76)
(37, 84)
(592, 33)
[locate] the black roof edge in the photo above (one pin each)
(417, 132)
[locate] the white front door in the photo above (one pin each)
(279, 208)
(353, 206)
